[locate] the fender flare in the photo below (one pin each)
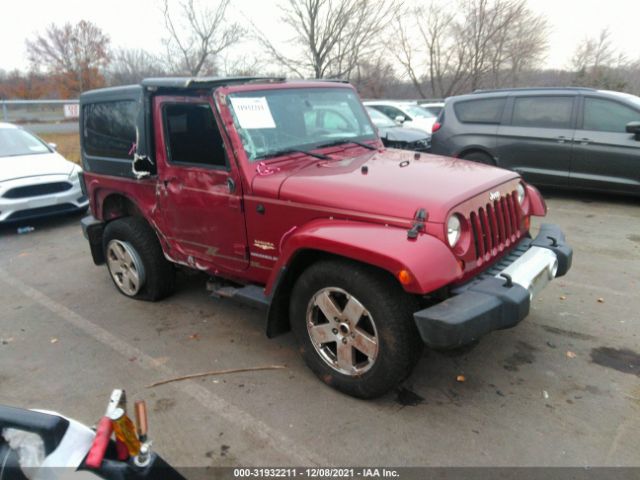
(430, 263)
(428, 260)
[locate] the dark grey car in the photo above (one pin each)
(565, 137)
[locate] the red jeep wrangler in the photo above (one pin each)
(284, 194)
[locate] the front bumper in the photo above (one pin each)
(93, 229)
(500, 297)
(29, 207)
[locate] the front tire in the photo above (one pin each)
(355, 327)
(135, 260)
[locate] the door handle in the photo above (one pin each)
(584, 141)
(562, 139)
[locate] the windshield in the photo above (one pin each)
(15, 141)
(380, 120)
(273, 122)
(417, 111)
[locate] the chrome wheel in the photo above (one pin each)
(342, 331)
(125, 266)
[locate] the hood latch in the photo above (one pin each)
(418, 224)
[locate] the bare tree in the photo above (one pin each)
(597, 64)
(374, 78)
(197, 34)
(132, 65)
(483, 43)
(330, 37)
(75, 53)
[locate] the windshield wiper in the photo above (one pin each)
(297, 150)
(347, 140)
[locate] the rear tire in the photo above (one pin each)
(135, 260)
(479, 157)
(374, 343)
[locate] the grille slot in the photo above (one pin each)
(37, 190)
(495, 226)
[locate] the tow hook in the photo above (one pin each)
(509, 280)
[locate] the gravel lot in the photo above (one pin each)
(561, 389)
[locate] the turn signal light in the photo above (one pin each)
(526, 223)
(404, 277)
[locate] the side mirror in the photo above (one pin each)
(399, 119)
(141, 166)
(634, 127)
(53, 146)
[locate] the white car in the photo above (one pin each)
(35, 180)
(407, 114)
(433, 107)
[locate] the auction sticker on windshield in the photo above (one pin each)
(253, 112)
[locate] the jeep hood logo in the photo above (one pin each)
(493, 196)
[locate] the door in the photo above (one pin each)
(199, 192)
(605, 155)
(537, 141)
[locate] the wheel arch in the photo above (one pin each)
(278, 314)
(468, 150)
(115, 205)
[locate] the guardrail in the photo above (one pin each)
(42, 116)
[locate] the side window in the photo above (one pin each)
(543, 112)
(486, 110)
(109, 128)
(192, 135)
(607, 116)
(390, 112)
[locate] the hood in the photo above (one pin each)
(402, 134)
(41, 164)
(395, 184)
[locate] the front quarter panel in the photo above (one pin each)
(430, 262)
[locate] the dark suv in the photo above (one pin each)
(563, 137)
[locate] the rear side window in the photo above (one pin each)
(486, 110)
(543, 112)
(391, 112)
(193, 136)
(607, 116)
(110, 128)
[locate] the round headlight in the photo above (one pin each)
(521, 193)
(453, 230)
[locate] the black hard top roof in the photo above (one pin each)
(176, 84)
(204, 82)
(172, 84)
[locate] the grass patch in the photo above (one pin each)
(68, 144)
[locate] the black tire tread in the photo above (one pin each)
(160, 273)
(400, 342)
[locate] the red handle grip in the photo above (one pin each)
(100, 442)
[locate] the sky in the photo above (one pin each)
(138, 23)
